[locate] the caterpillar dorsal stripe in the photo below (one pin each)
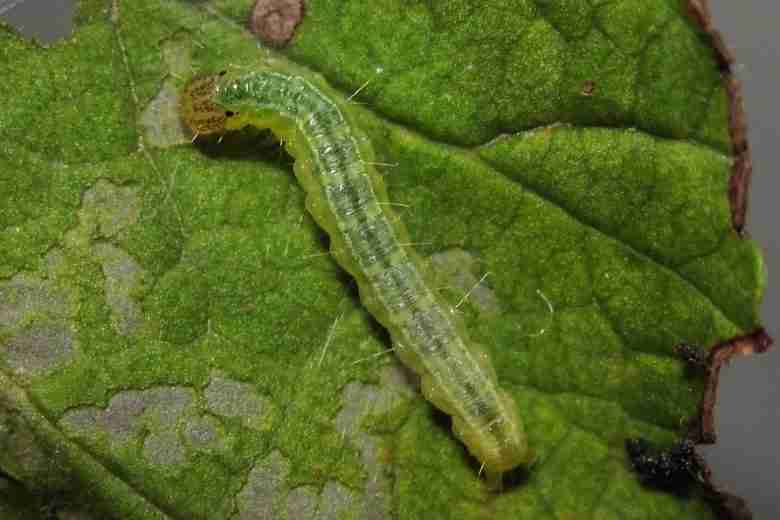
(347, 198)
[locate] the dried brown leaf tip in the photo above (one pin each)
(274, 21)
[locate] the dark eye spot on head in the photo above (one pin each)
(229, 113)
(222, 72)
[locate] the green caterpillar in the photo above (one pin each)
(347, 198)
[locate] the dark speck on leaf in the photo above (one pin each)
(274, 21)
(691, 354)
(674, 469)
(588, 88)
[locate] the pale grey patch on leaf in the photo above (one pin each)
(397, 385)
(83, 419)
(177, 54)
(360, 401)
(53, 261)
(122, 275)
(264, 484)
(463, 271)
(202, 432)
(161, 119)
(40, 348)
(23, 297)
(110, 208)
(166, 404)
(129, 413)
(336, 501)
(34, 314)
(164, 449)
(229, 398)
(120, 419)
(302, 503)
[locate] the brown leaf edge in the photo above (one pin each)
(742, 170)
(702, 428)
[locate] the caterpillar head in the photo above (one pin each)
(200, 113)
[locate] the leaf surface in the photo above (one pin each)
(175, 341)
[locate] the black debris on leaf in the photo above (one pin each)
(675, 469)
(692, 355)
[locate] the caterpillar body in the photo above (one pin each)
(347, 198)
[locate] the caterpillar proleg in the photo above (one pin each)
(347, 198)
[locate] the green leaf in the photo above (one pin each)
(175, 341)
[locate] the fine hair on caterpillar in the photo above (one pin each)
(346, 196)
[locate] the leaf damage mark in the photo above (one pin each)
(274, 21)
(702, 428)
(227, 397)
(361, 403)
(40, 349)
(677, 468)
(160, 120)
(739, 184)
(265, 495)
(122, 276)
(123, 418)
(462, 271)
(265, 481)
(35, 315)
(758, 342)
(108, 208)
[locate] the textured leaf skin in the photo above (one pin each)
(163, 309)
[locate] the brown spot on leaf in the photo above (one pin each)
(274, 21)
(588, 88)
